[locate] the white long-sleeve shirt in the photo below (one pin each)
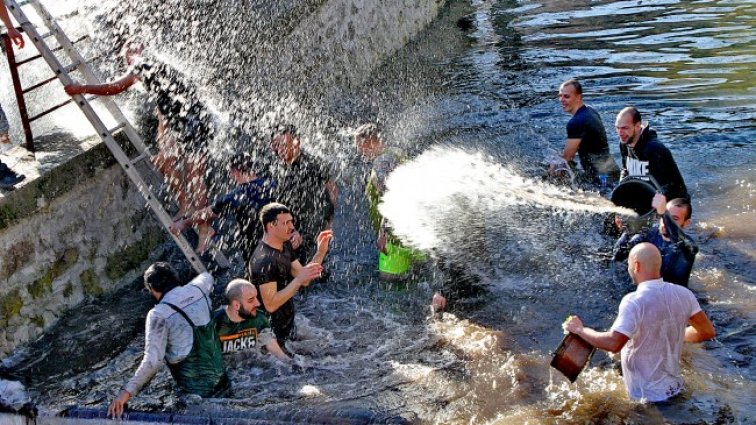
(168, 336)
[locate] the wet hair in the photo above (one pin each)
(574, 83)
(367, 131)
(234, 289)
(633, 111)
(684, 203)
(242, 162)
(269, 213)
(161, 277)
(281, 129)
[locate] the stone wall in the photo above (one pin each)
(76, 232)
(343, 41)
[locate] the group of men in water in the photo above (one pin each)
(283, 213)
(282, 256)
(662, 313)
(184, 331)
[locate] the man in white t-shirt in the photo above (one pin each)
(650, 329)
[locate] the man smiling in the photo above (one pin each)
(586, 137)
(240, 327)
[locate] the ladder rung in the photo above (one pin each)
(47, 34)
(70, 68)
(143, 155)
(113, 131)
(19, 63)
(54, 108)
(38, 85)
(58, 106)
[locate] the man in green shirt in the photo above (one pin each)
(394, 259)
(240, 328)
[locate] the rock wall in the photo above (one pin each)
(76, 232)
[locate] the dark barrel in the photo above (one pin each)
(634, 193)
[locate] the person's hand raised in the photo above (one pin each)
(310, 272)
(324, 240)
(659, 203)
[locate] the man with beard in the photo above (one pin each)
(240, 327)
(643, 155)
(305, 185)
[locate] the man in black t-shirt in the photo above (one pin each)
(586, 137)
(305, 185)
(644, 155)
(275, 271)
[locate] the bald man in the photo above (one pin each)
(652, 324)
(240, 326)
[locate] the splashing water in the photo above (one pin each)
(421, 194)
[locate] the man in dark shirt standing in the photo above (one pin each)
(277, 273)
(678, 249)
(306, 186)
(643, 155)
(586, 137)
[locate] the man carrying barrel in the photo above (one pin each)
(652, 324)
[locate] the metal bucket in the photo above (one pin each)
(572, 355)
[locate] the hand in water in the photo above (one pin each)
(115, 410)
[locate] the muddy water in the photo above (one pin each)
(490, 90)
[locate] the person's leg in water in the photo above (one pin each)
(195, 195)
